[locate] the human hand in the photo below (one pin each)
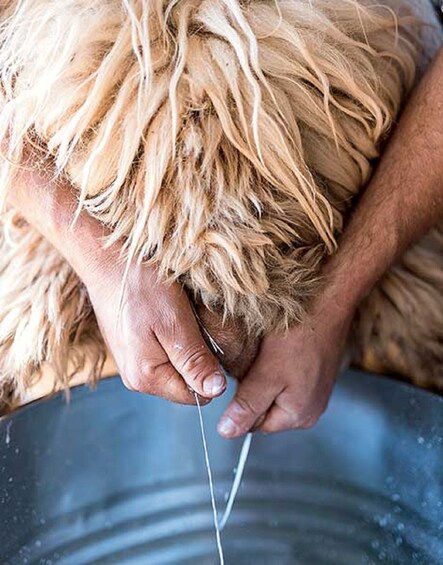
(155, 339)
(289, 383)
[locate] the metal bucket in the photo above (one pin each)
(118, 477)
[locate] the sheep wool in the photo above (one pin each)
(225, 142)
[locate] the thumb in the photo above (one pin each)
(192, 358)
(254, 396)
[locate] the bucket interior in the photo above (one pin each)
(119, 477)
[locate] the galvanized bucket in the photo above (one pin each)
(118, 477)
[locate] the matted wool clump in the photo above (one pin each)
(224, 142)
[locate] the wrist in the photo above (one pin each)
(361, 260)
(50, 205)
(83, 242)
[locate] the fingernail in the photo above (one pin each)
(226, 427)
(214, 385)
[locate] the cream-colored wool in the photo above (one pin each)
(224, 141)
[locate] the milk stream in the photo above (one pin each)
(235, 485)
(241, 462)
(237, 479)
(211, 483)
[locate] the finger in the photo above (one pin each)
(191, 357)
(254, 395)
(281, 418)
(153, 374)
(278, 420)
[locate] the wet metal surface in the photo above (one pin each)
(117, 477)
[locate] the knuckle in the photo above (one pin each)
(271, 428)
(149, 376)
(147, 369)
(163, 377)
(244, 407)
(309, 423)
(140, 376)
(312, 418)
(195, 361)
(306, 414)
(139, 382)
(242, 414)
